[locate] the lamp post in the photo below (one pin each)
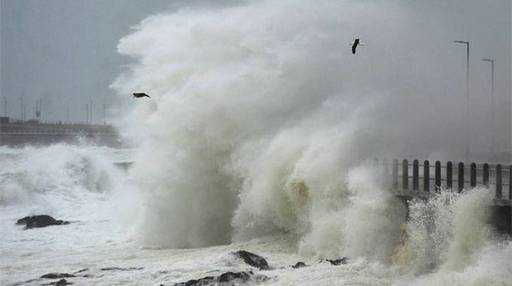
(467, 152)
(491, 61)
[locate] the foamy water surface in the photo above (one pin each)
(253, 138)
(81, 184)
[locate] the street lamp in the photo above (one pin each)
(491, 61)
(467, 97)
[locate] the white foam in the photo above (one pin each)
(258, 115)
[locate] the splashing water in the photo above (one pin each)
(55, 174)
(256, 123)
(248, 117)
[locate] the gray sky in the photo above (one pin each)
(65, 52)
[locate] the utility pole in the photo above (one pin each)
(493, 118)
(467, 151)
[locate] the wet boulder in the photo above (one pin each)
(39, 221)
(339, 261)
(227, 278)
(252, 259)
(208, 280)
(61, 282)
(57, 275)
(299, 264)
(239, 277)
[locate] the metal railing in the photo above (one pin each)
(426, 177)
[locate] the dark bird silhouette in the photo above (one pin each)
(354, 45)
(140, 94)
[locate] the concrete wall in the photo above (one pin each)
(33, 133)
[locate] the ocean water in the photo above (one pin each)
(109, 228)
(255, 138)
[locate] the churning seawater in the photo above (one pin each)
(252, 140)
(109, 229)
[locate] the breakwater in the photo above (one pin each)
(36, 133)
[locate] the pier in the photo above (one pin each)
(33, 132)
(415, 180)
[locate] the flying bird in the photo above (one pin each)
(354, 45)
(140, 94)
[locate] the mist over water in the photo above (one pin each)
(256, 137)
(55, 175)
(260, 117)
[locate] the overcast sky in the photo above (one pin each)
(65, 52)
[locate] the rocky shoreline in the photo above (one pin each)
(258, 273)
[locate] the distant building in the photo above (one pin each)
(4, 119)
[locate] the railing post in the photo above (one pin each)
(386, 166)
(415, 175)
(426, 176)
(499, 187)
(486, 175)
(460, 177)
(395, 173)
(438, 175)
(405, 175)
(472, 178)
(449, 175)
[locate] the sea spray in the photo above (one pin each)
(374, 215)
(242, 112)
(363, 222)
(259, 114)
(447, 231)
(55, 173)
(490, 265)
(298, 172)
(471, 229)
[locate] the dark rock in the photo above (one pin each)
(199, 282)
(24, 282)
(339, 261)
(121, 269)
(39, 221)
(299, 264)
(57, 275)
(61, 282)
(81, 270)
(228, 278)
(252, 259)
(231, 276)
